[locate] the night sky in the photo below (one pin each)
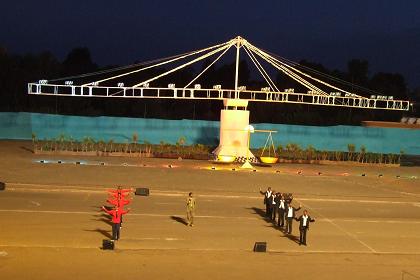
(330, 32)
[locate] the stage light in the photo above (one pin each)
(227, 159)
(68, 83)
(266, 89)
(120, 84)
(217, 87)
(197, 86)
(146, 85)
(242, 88)
(171, 85)
(43, 82)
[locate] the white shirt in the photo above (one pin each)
(273, 201)
(305, 220)
(281, 204)
(290, 212)
(268, 194)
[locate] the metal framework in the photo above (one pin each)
(318, 92)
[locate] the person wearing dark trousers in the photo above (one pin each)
(273, 203)
(267, 195)
(116, 214)
(282, 205)
(304, 220)
(290, 215)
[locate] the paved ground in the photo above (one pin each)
(367, 227)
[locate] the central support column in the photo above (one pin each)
(234, 133)
(238, 46)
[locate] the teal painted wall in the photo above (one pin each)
(383, 140)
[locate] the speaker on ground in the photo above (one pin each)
(2, 186)
(108, 244)
(142, 191)
(260, 247)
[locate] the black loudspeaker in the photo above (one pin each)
(107, 244)
(142, 191)
(2, 186)
(260, 247)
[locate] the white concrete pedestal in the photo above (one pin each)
(233, 131)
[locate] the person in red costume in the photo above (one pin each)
(119, 191)
(119, 202)
(116, 215)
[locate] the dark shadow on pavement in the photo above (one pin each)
(261, 213)
(292, 238)
(27, 149)
(105, 233)
(179, 220)
(258, 211)
(105, 220)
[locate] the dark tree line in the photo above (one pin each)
(17, 70)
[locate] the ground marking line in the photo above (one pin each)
(35, 203)
(206, 216)
(131, 214)
(177, 194)
(213, 250)
(3, 254)
(343, 230)
(383, 189)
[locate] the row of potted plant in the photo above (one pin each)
(291, 152)
(88, 145)
(296, 153)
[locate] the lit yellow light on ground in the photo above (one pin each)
(223, 158)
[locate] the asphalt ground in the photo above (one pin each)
(366, 227)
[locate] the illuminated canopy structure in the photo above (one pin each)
(234, 117)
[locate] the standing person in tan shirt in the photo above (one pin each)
(190, 209)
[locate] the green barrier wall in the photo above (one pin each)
(381, 140)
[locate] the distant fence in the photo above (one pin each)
(375, 139)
